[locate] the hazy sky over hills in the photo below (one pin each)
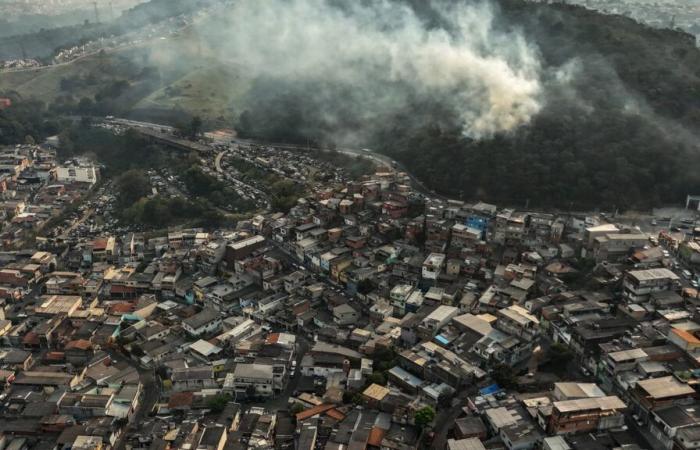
(14, 8)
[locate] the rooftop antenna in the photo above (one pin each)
(672, 25)
(97, 14)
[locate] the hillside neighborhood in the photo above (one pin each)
(369, 315)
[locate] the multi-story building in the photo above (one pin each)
(432, 266)
(398, 296)
(440, 317)
(654, 393)
(639, 284)
(517, 321)
(617, 246)
(587, 415)
(251, 380)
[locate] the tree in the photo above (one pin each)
(377, 378)
(504, 376)
(560, 355)
(218, 402)
(358, 399)
(86, 105)
(384, 358)
(195, 127)
(424, 416)
(191, 129)
(131, 186)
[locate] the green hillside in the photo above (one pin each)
(211, 91)
(152, 81)
(622, 132)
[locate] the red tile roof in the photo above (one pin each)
(376, 436)
(272, 338)
(121, 307)
(80, 344)
(31, 338)
(314, 411)
(335, 414)
(181, 400)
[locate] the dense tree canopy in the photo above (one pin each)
(424, 416)
(620, 132)
(24, 118)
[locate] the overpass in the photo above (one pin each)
(171, 141)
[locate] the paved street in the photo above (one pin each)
(150, 394)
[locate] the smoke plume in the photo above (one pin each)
(379, 51)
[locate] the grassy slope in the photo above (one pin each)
(212, 91)
(191, 81)
(45, 84)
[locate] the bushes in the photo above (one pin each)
(160, 212)
(424, 416)
(218, 403)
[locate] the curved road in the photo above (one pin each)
(367, 154)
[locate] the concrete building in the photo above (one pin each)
(76, 174)
(617, 246)
(654, 393)
(639, 284)
(432, 266)
(251, 380)
(204, 322)
(586, 415)
(442, 315)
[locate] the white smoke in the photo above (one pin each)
(492, 79)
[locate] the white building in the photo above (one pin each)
(438, 318)
(76, 174)
(432, 266)
(204, 322)
(398, 296)
(249, 378)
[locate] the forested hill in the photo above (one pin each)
(621, 132)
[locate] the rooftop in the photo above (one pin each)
(665, 387)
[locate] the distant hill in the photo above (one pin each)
(147, 82)
(42, 44)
